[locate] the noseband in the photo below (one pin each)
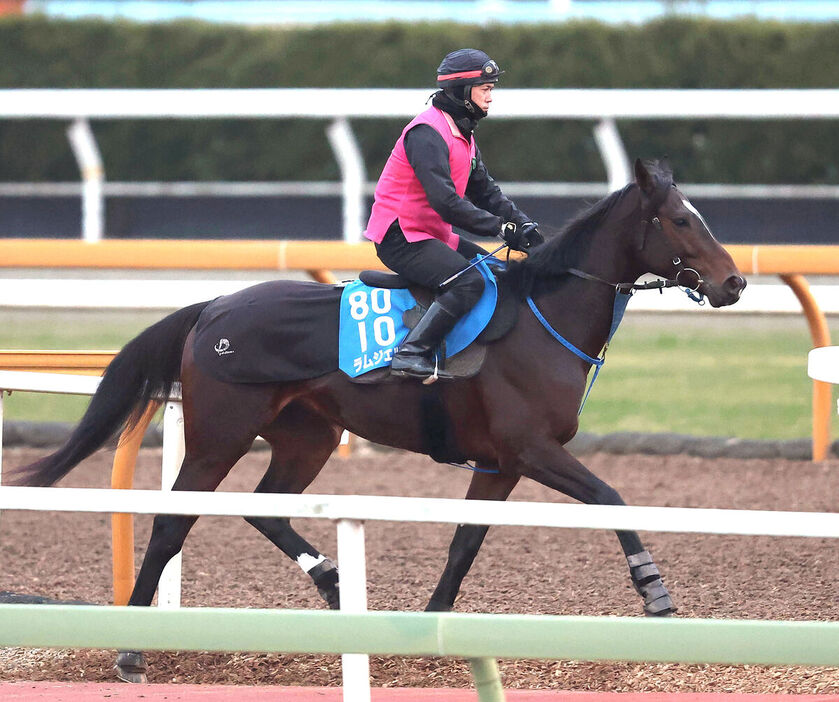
(682, 272)
(688, 279)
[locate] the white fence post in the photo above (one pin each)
(351, 164)
(618, 169)
(352, 563)
(169, 589)
(93, 174)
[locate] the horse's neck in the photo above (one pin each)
(580, 309)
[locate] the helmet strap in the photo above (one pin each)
(462, 94)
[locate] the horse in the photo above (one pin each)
(512, 418)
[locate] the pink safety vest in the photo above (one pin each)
(399, 194)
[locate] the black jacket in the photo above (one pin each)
(484, 209)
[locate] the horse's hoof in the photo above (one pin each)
(437, 606)
(325, 577)
(331, 598)
(667, 610)
(131, 667)
(657, 602)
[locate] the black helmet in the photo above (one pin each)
(467, 67)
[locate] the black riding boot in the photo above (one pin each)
(416, 354)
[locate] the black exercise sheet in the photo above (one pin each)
(271, 332)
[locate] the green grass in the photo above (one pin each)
(712, 375)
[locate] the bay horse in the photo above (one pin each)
(512, 418)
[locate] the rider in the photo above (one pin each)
(435, 178)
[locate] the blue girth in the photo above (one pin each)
(619, 307)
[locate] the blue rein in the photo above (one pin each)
(619, 307)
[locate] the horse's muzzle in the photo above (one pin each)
(726, 294)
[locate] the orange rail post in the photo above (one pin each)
(122, 525)
(822, 394)
(322, 276)
(790, 262)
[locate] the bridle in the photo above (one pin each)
(691, 290)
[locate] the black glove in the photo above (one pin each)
(512, 236)
(531, 235)
(521, 238)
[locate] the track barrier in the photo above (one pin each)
(823, 367)
(350, 512)
(729, 642)
(355, 632)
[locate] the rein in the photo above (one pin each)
(658, 284)
(692, 291)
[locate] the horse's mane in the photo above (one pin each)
(565, 247)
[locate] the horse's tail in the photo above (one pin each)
(144, 369)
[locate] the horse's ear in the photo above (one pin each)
(644, 178)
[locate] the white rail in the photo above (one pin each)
(334, 103)
(350, 512)
(339, 105)
(169, 294)
(420, 509)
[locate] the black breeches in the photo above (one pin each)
(429, 262)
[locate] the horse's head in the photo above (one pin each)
(677, 243)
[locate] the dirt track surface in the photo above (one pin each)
(519, 570)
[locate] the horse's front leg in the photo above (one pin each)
(548, 462)
(468, 539)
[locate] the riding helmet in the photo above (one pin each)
(467, 67)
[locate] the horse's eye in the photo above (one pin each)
(680, 222)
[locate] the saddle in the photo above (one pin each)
(461, 365)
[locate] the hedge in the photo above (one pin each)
(668, 53)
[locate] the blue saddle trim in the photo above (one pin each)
(618, 309)
(371, 326)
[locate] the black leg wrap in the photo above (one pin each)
(131, 667)
(647, 582)
(325, 577)
(642, 568)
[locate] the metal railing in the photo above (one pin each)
(355, 633)
(602, 107)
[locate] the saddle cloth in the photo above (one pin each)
(289, 330)
(373, 323)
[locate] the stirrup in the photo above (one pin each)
(435, 376)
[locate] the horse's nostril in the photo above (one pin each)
(734, 284)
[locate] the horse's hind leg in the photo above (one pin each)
(468, 539)
(301, 442)
(169, 531)
(550, 464)
(220, 423)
